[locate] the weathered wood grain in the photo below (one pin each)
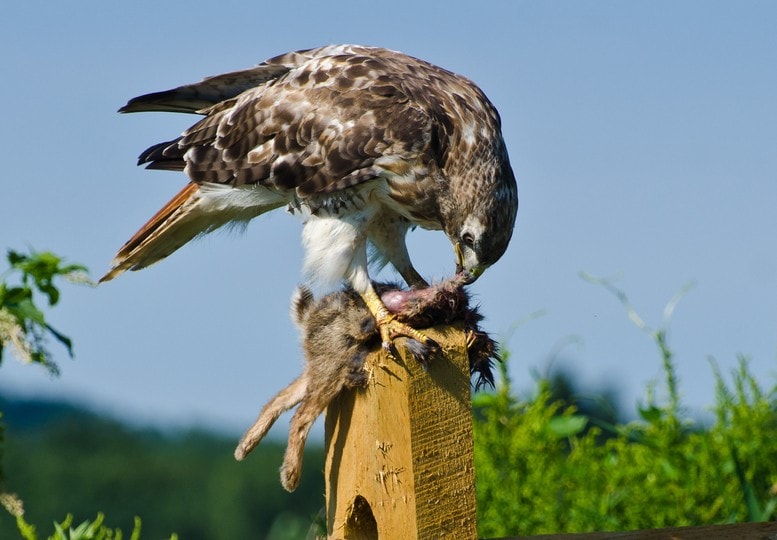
(399, 454)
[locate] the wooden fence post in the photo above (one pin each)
(399, 454)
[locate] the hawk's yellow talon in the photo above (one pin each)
(389, 326)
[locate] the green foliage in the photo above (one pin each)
(64, 460)
(24, 328)
(544, 468)
(81, 462)
(88, 530)
(539, 472)
(23, 324)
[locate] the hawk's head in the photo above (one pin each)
(481, 220)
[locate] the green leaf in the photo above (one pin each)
(51, 291)
(25, 310)
(566, 426)
(14, 295)
(650, 413)
(136, 529)
(63, 339)
(483, 399)
(15, 258)
(769, 509)
(26, 530)
(38, 271)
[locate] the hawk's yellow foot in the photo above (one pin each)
(388, 324)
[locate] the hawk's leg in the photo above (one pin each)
(388, 324)
(412, 277)
(387, 236)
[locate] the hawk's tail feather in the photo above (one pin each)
(165, 156)
(194, 211)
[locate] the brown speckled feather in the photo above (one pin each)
(309, 125)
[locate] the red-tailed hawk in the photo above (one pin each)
(365, 143)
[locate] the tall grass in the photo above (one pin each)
(542, 467)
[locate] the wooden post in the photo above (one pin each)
(399, 454)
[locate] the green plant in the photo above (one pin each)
(544, 468)
(23, 324)
(24, 328)
(88, 530)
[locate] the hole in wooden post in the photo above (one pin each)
(361, 524)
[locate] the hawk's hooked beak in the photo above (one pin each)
(459, 257)
(472, 273)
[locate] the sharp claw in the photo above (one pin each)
(391, 328)
(384, 323)
(389, 349)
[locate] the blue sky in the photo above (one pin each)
(643, 136)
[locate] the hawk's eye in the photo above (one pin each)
(468, 239)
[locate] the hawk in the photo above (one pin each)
(364, 143)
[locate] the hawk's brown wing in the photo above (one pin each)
(301, 124)
(192, 98)
(318, 128)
